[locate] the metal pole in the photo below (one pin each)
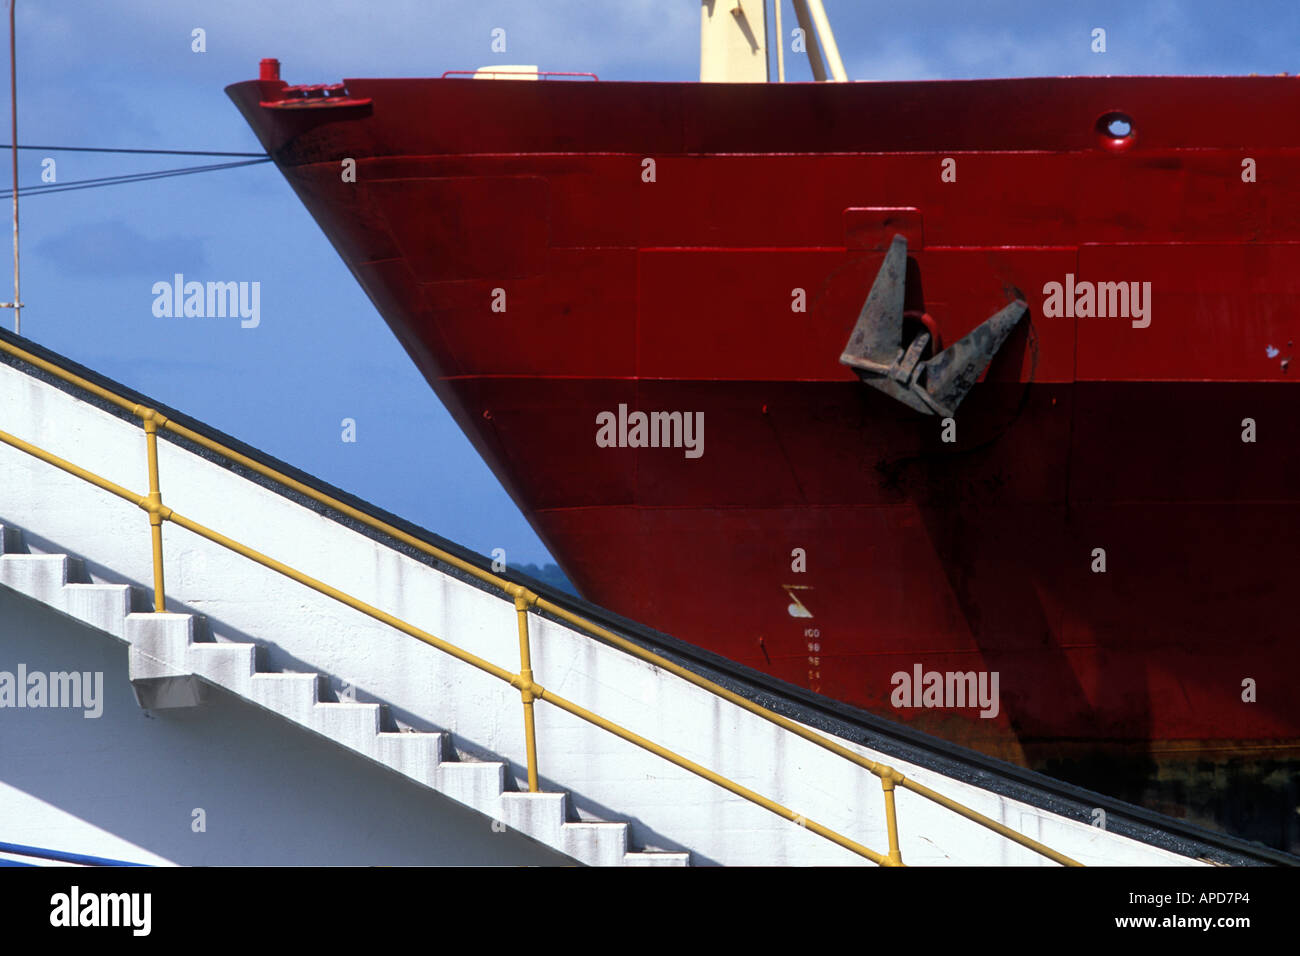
(780, 46)
(525, 691)
(891, 815)
(810, 44)
(155, 511)
(13, 143)
(827, 37)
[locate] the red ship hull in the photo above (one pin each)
(827, 534)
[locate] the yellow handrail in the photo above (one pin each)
(523, 598)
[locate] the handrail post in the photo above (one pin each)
(522, 604)
(149, 417)
(891, 815)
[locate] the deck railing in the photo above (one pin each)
(524, 600)
(539, 74)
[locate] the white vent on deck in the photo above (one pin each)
(506, 73)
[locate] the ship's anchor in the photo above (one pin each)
(875, 350)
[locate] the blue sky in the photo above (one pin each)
(121, 73)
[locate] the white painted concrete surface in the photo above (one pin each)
(667, 809)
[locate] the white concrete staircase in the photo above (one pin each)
(168, 667)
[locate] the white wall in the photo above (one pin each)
(668, 808)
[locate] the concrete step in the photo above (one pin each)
(227, 665)
(473, 783)
(103, 606)
(414, 755)
(48, 578)
(355, 726)
(291, 695)
(38, 576)
(657, 859)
